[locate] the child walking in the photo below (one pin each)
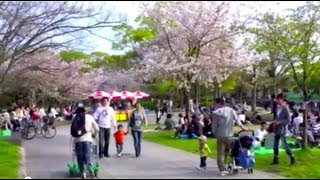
(119, 137)
(204, 151)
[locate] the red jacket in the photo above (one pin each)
(119, 136)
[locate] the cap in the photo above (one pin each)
(202, 137)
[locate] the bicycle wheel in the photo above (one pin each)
(29, 133)
(48, 132)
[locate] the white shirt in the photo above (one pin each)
(42, 112)
(91, 128)
(260, 134)
(242, 117)
(105, 116)
(53, 113)
(297, 120)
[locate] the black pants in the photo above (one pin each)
(203, 161)
(104, 138)
(15, 124)
(158, 117)
(119, 148)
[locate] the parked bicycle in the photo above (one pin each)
(46, 126)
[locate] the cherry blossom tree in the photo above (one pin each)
(194, 44)
(27, 27)
(44, 72)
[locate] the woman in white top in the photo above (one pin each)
(260, 134)
(84, 142)
(297, 120)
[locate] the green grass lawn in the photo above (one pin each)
(9, 159)
(307, 161)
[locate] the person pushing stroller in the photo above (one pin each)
(222, 127)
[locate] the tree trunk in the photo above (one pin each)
(216, 90)
(32, 98)
(186, 95)
(181, 99)
(305, 120)
(254, 97)
(254, 91)
(196, 92)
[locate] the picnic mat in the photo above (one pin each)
(263, 150)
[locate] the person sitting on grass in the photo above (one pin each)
(180, 126)
(316, 128)
(5, 123)
(299, 137)
(188, 130)
(169, 123)
(242, 117)
(207, 129)
(256, 118)
(197, 123)
(259, 134)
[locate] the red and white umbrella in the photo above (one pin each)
(127, 95)
(140, 95)
(99, 95)
(115, 94)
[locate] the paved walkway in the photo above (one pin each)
(48, 159)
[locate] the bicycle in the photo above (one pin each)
(46, 126)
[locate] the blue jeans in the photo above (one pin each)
(137, 141)
(83, 150)
(276, 143)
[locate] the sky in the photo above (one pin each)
(131, 10)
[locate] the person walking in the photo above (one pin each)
(105, 116)
(157, 111)
(204, 151)
(83, 128)
(222, 127)
(282, 121)
(119, 137)
(136, 123)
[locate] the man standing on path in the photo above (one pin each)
(222, 127)
(105, 117)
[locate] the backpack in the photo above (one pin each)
(77, 130)
(136, 120)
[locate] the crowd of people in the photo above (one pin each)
(14, 118)
(218, 122)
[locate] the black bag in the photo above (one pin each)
(77, 129)
(132, 121)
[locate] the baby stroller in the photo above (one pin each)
(73, 165)
(242, 157)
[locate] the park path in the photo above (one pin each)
(48, 158)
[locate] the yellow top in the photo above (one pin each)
(205, 150)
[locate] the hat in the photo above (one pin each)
(202, 137)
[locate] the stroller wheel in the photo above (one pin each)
(96, 173)
(71, 173)
(230, 167)
(235, 171)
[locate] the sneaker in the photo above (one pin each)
(292, 161)
(90, 170)
(119, 155)
(275, 161)
(224, 173)
(83, 176)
